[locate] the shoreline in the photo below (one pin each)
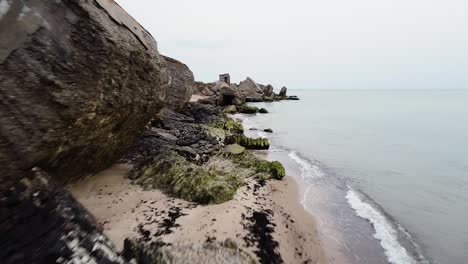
(125, 210)
(353, 228)
(263, 222)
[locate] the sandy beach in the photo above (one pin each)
(265, 220)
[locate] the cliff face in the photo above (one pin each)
(78, 81)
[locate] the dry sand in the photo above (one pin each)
(266, 221)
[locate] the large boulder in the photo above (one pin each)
(78, 81)
(250, 87)
(268, 90)
(182, 83)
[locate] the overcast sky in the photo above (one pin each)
(315, 44)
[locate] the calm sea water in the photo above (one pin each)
(385, 172)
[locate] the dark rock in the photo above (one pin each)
(41, 223)
(283, 91)
(254, 99)
(292, 97)
(263, 111)
(181, 82)
(268, 130)
(79, 80)
(247, 109)
(229, 96)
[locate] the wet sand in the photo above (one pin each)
(264, 219)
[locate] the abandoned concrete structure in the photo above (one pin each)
(225, 78)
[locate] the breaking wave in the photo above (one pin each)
(308, 169)
(385, 231)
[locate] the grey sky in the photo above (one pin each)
(315, 44)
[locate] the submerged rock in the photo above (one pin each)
(78, 82)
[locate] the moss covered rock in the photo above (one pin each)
(233, 126)
(185, 180)
(274, 168)
(248, 109)
(263, 168)
(234, 149)
(252, 143)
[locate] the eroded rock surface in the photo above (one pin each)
(182, 83)
(78, 81)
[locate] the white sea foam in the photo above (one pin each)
(308, 170)
(384, 230)
(262, 134)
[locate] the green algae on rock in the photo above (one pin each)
(202, 184)
(233, 126)
(234, 149)
(252, 143)
(263, 169)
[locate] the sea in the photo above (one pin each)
(384, 172)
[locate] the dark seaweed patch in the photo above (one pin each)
(260, 234)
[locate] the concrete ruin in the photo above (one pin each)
(225, 78)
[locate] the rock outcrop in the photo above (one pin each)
(182, 83)
(250, 90)
(78, 81)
